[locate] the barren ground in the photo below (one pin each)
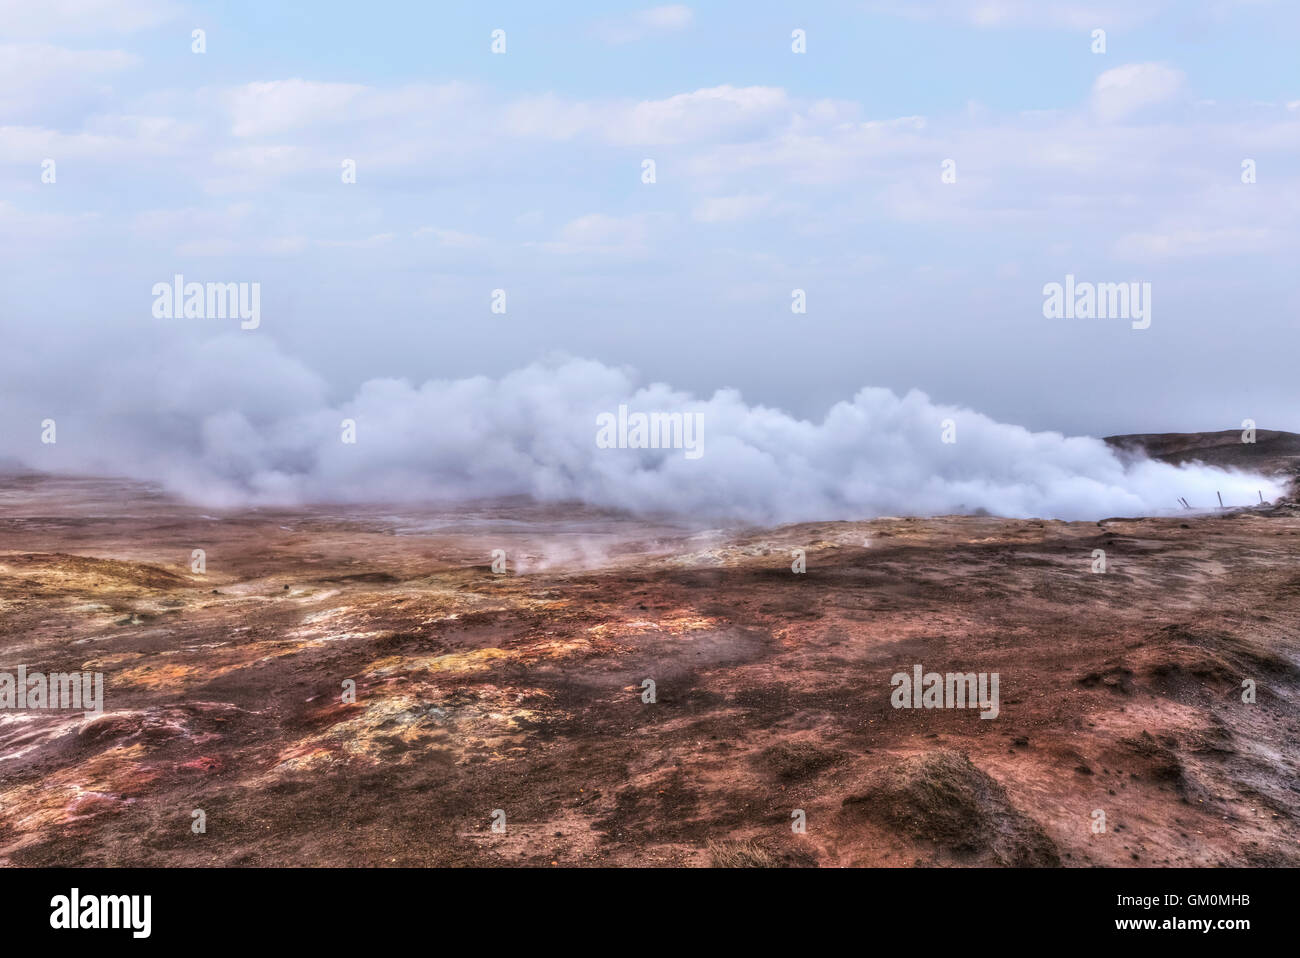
(522, 692)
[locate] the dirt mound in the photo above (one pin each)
(1273, 452)
(793, 761)
(1215, 655)
(1158, 758)
(941, 797)
(1183, 662)
(1116, 678)
(751, 854)
(79, 573)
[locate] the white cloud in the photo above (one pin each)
(1120, 92)
(597, 228)
(729, 145)
(41, 19)
(451, 238)
(601, 234)
(22, 145)
(1181, 242)
(23, 228)
(36, 76)
(367, 242)
(713, 113)
(258, 109)
(729, 209)
(1057, 14)
(644, 23)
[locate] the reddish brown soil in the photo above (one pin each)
(1120, 692)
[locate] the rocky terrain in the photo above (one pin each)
(519, 697)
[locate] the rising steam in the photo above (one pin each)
(235, 422)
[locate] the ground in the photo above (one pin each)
(522, 693)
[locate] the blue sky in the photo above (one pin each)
(775, 171)
(1027, 61)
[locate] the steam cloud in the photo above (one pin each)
(233, 421)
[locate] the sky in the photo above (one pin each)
(920, 171)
